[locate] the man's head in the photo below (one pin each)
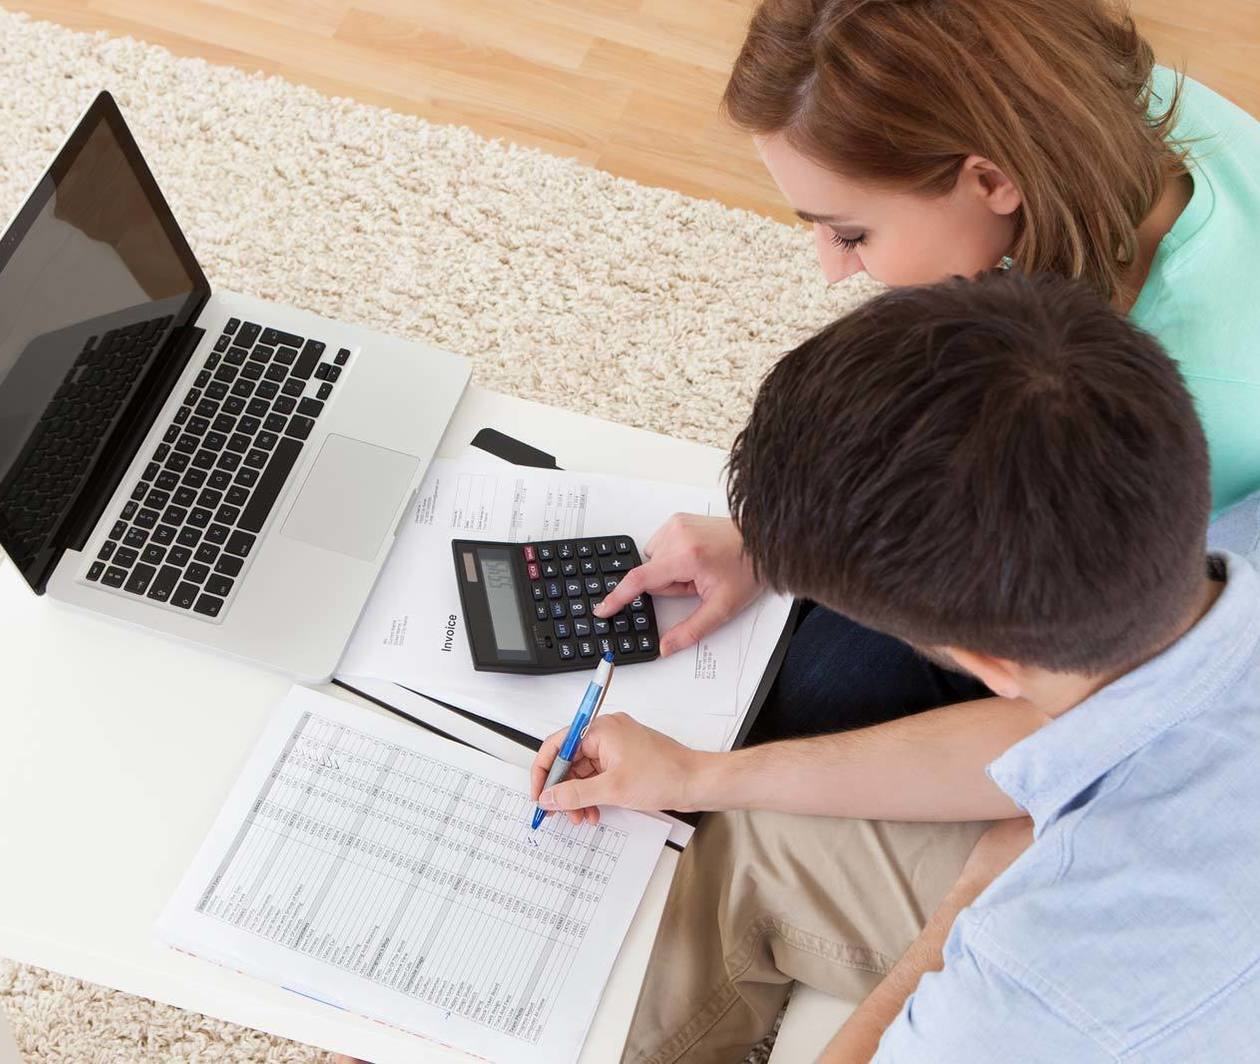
(1004, 470)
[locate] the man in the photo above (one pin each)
(1011, 477)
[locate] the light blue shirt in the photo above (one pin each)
(1130, 929)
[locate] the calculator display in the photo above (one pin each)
(505, 609)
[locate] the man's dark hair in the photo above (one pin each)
(1004, 465)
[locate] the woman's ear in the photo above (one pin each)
(990, 185)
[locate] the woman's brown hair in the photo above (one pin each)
(1055, 93)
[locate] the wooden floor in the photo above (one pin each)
(630, 86)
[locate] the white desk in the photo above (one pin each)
(117, 748)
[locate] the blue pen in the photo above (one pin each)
(591, 701)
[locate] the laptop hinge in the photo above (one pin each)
(117, 456)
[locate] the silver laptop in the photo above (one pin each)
(217, 468)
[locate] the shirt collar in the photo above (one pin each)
(1045, 771)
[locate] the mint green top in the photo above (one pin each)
(1202, 298)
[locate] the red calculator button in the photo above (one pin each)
(530, 556)
(532, 569)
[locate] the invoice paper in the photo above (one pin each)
(376, 866)
(412, 631)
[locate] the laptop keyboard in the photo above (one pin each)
(67, 436)
(185, 536)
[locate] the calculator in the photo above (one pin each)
(528, 605)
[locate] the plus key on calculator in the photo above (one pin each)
(529, 607)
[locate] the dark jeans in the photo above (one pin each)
(838, 675)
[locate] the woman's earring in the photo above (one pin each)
(1006, 263)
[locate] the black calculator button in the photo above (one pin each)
(546, 553)
(563, 631)
(610, 582)
(541, 612)
(585, 550)
(557, 609)
(531, 555)
(594, 585)
(564, 551)
(621, 625)
(573, 588)
(550, 569)
(553, 589)
(603, 548)
(605, 647)
(623, 546)
(586, 648)
(641, 622)
(533, 571)
(625, 644)
(645, 644)
(577, 607)
(581, 626)
(566, 651)
(590, 566)
(616, 564)
(636, 605)
(568, 569)
(602, 627)
(538, 592)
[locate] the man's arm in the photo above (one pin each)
(859, 1038)
(929, 766)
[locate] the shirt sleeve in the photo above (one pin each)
(972, 1012)
(1237, 529)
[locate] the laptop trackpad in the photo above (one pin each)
(350, 497)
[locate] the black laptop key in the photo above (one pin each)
(293, 386)
(307, 360)
(228, 565)
(219, 585)
(209, 605)
(256, 458)
(236, 356)
(244, 388)
(167, 480)
(212, 360)
(198, 425)
(172, 434)
(234, 405)
(227, 514)
(321, 371)
(107, 550)
(284, 404)
(238, 442)
(119, 530)
(225, 373)
(177, 462)
(216, 390)
(221, 343)
(261, 353)
(258, 408)
(246, 477)
(126, 557)
(343, 356)
(237, 496)
(194, 478)
(114, 577)
(248, 425)
(232, 325)
(229, 460)
(310, 407)
(276, 422)
(274, 374)
(161, 451)
(164, 534)
(181, 415)
(248, 333)
(129, 511)
(251, 371)
(179, 556)
(265, 440)
(198, 517)
(153, 554)
(138, 491)
(217, 534)
(164, 583)
(147, 518)
(184, 597)
(224, 423)
(157, 499)
(197, 572)
(136, 537)
(325, 390)
(286, 356)
(188, 536)
(219, 480)
(215, 441)
(138, 582)
(210, 498)
(207, 553)
(95, 570)
(203, 459)
(194, 394)
(186, 443)
(240, 543)
(270, 483)
(299, 426)
(175, 515)
(273, 337)
(207, 408)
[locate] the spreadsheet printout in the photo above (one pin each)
(381, 868)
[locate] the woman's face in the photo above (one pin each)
(898, 238)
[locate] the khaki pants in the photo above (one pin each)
(763, 899)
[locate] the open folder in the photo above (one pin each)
(377, 867)
(411, 632)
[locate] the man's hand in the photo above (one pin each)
(691, 555)
(619, 762)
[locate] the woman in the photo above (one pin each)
(930, 138)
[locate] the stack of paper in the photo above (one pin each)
(377, 867)
(412, 632)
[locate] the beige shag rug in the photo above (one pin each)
(564, 284)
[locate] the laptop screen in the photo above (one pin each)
(94, 278)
